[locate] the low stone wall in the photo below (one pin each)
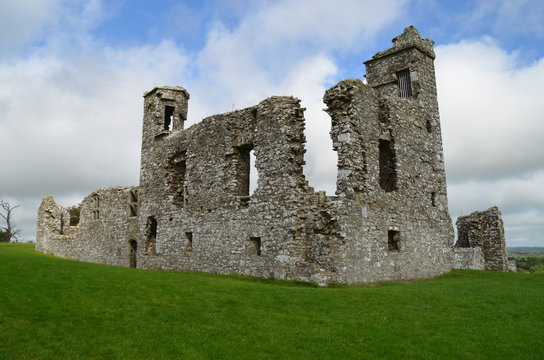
(468, 258)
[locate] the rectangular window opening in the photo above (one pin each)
(176, 173)
(151, 235)
(182, 120)
(388, 166)
(96, 200)
(243, 168)
(133, 196)
(133, 210)
(168, 117)
(433, 198)
(189, 237)
(405, 83)
(253, 246)
(393, 240)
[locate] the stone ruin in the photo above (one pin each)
(485, 230)
(193, 209)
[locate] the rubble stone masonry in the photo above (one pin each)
(194, 211)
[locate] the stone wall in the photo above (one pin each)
(468, 258)
(485, 230)
(102, 235)
(193, 209)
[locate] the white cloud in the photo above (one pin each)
(21, 21)
(491, 111)
(74, 122)
(521, 16)
(71, 109)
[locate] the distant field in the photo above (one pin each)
(52, 308)
(526, 250)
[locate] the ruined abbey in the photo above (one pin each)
(193, 209)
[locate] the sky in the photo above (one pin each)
(72, 76)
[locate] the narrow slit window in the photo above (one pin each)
(133, 253)
(168, 117)
(151, 232)
(393, 240)
(96, 200)
(433, 198)
(405, 83)
(254, 175)
(189, 237)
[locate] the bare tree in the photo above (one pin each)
(10, 231)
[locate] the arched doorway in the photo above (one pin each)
(133, 253)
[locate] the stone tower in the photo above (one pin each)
(390, 163)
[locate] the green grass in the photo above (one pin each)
(52, 308)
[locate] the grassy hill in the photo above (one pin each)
(52, 308)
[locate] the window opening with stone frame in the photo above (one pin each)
(388, 165)
(151, 235)
(393, 240)
(176, 173)
(61, 230)
(189, 237)
(133, 251)
(243, 169)
(96, 204)
(253, 246)
(133, 203)
(405, 83)
(169, 117)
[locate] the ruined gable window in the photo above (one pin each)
(151, 235)
(96, 204)
(189, 237)
(253, 246)
(74, 215)
(168, 117)
(388, 166)
(243, 169)
(393, 240)
(405, 83)
(96, 200)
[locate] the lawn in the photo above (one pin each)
(53, 308)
